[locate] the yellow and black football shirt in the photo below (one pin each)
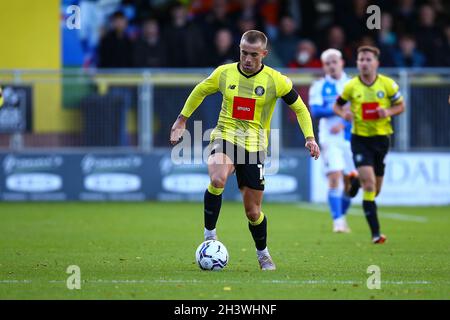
(365, 99)
(248, 104)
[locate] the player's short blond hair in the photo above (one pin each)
(254, 36)
(330, 52)
(374, 50)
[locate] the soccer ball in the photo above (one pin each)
(211, 255)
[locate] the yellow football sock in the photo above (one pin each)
(369, 195)
(214, 190)
(260, 219)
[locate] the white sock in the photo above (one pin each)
(340, 220)
(264, 252)
(210, 233)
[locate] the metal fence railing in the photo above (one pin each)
(134, 109)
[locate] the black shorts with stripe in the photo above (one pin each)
(370, 151)
(249, 166)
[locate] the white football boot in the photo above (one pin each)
(265, 260)
(210, 234)
(340, 225)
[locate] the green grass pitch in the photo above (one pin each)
(146, 251)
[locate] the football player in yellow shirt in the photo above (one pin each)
(239, 141)
(374, 99)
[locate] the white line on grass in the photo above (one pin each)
(293, 281)
(194, 281)
(356, 212)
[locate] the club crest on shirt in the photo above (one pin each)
(380, 94)
(259, 91)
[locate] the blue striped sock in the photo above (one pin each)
(335, 203)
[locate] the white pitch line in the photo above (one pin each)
(356, 212)
(295, 281)
(15, 281)
(238, 282)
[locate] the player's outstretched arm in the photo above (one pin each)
(208, 86)
(304, 120)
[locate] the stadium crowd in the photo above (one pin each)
(205, 33)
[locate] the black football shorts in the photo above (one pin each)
(370, 151)
(249, 166)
